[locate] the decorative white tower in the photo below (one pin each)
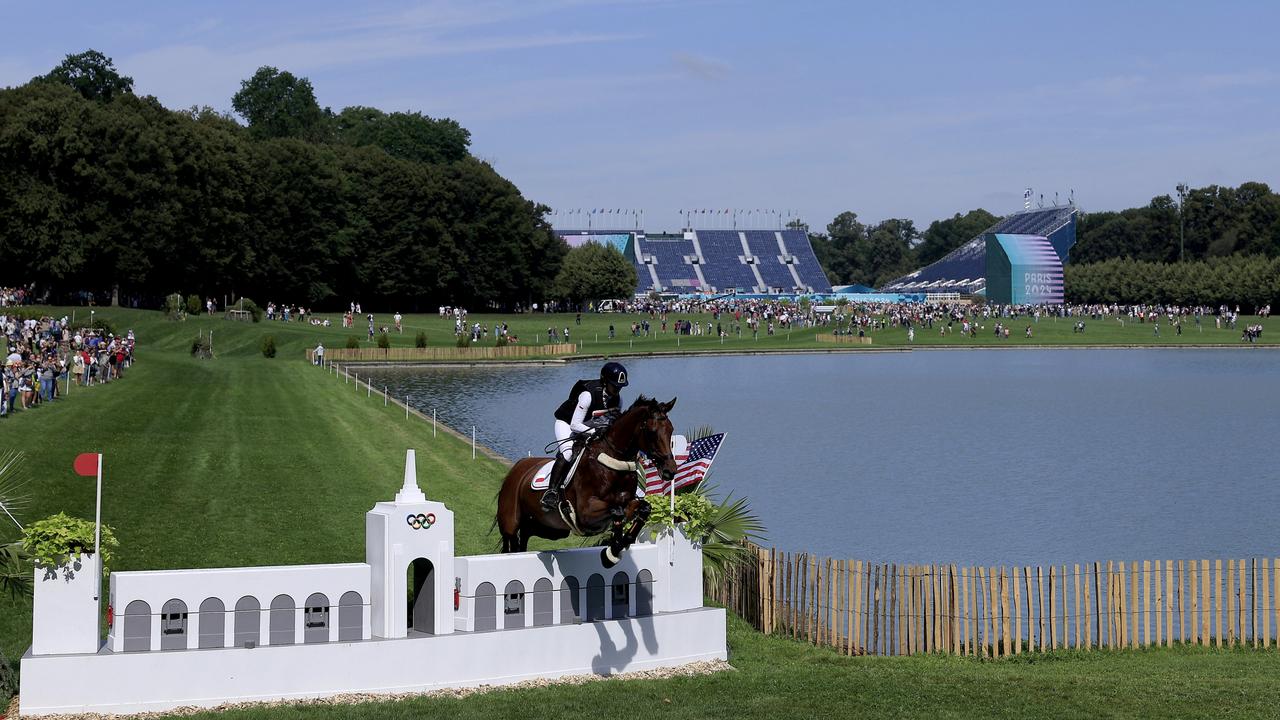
(410, 540)
(64, 612)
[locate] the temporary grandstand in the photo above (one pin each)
(776, 262)
(964, 269)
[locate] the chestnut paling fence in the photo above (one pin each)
(872, 608)
(474, 352)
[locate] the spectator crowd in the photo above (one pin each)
(43, 355)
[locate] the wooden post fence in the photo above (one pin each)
(858, 607)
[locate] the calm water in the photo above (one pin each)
(960, 456)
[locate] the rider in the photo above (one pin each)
(587, 400)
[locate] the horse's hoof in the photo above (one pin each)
(607, 558)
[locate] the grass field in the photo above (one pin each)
(592, 335)
(242, 460)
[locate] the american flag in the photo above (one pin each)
(691, 466)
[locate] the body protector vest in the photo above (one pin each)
(598, 401)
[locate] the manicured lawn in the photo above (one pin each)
(592, 335)
(242, 460)
(776, 678)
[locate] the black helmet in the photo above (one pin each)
(614, 374)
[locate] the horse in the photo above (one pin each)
(602, 496)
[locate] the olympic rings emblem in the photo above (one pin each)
(421, 521)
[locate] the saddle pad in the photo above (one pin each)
(542, 478)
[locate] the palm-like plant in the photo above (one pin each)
(731, 526)
(15, 571)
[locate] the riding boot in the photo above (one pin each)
(555, 486)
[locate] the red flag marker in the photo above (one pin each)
(87, 464)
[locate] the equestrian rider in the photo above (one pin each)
(580, 413)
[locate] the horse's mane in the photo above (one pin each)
(645, 403)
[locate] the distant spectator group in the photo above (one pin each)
(43, 354)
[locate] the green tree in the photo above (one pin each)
(91, 74)
(943, 236)
(888, 251)
(277, 105)
(594, 272)
(405, 135)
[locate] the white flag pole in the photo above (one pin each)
(97, 532)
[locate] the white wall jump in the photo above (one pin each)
(412, 617)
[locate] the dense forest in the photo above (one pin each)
(101, 188)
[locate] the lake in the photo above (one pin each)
(974, 456)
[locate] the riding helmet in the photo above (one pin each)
(614, 374)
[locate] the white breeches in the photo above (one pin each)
(563, 434)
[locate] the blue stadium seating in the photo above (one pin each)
(668, 254)
(723, 267)
(764, 246)
(964, 269)
(811, 273)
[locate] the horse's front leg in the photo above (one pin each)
(626, 528)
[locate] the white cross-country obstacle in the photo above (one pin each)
(411, 618)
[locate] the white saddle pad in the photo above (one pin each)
(542, 478)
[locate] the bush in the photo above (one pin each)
(269, 346)
(384, 341)
(193, 304)
(421, 339)
(353, 342)
(502, 341)
(102, 324)
(201, 348)
(173, 307)
(464, 340)
(252, 307)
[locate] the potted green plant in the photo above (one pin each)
(60, 540)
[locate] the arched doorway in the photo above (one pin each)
(422, 596)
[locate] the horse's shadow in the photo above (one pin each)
(612, 658)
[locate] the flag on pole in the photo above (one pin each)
(90, 465)
(691, 466)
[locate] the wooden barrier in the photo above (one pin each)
(860, 607)
(843, 339)
(443, 353)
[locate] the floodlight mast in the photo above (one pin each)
(1182, 223)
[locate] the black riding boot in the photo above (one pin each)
(555, 486)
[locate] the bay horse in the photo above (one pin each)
(602, 494)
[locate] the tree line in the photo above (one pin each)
(101, 188)
(1249, 281)
(1216, 229)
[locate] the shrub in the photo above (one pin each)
(464, 340)
(502, 341)
(102, 324)
(384, 341)
(353, 342)
(173, 307)
(193, 304)
(421, 339)
(252, 307)
(62, 538)
(201, 348)
(269, 346)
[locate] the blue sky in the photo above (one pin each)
(915, 110)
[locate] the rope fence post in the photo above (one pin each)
(473, 442)
(385, 399)
(433, 422)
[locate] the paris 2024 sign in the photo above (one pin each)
(1023, 270)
